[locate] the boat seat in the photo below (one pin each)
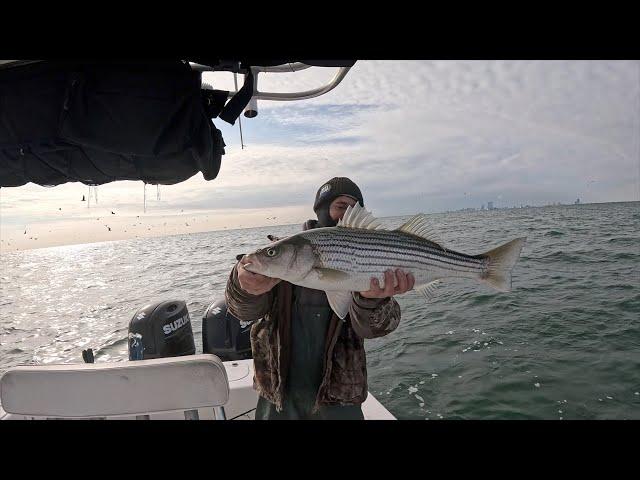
(100, 390)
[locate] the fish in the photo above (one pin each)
(343, 259)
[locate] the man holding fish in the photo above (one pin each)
(321, 292)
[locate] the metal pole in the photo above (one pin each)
(235, 80)
(219, 412)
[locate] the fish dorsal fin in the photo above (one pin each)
(359, 217)
(418, 225)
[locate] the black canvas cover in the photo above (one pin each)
(99, 122)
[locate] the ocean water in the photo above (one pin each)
(564, 344)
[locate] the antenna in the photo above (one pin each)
(235, 81)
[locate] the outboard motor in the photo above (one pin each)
(224, 335)
(161, 329)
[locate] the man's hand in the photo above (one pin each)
(395, 283)
(254, 283)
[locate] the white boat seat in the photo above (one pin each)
(96, 390)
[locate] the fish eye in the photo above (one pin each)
(272, 252)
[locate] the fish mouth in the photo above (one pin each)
(248, 266)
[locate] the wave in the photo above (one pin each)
(561, 256)
(625, 256)
(624, 241)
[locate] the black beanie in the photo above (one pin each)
(328, 192)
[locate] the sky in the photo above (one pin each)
(416, 136)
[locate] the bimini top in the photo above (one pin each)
(98, 122)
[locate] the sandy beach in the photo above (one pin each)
(108, 227)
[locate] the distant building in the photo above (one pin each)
(490, 205)
(577, 202)
(482, 207)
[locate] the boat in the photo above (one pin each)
(181, 385)
(190, 387)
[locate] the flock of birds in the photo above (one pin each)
(133, 225)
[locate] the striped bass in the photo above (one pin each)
(344, 258)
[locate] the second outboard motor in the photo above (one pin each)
(224, 335)
(161, 329)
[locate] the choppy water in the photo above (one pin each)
(565, 343)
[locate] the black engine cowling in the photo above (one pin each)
(224, 335)
(161, 329)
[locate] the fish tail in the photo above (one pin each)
(501, 262)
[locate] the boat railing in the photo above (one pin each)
(252, 108)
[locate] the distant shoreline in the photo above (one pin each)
(97, 235)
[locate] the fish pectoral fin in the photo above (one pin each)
(340, 301)
(331, 274)
(428, 290)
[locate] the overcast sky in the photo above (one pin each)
(417, 136)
